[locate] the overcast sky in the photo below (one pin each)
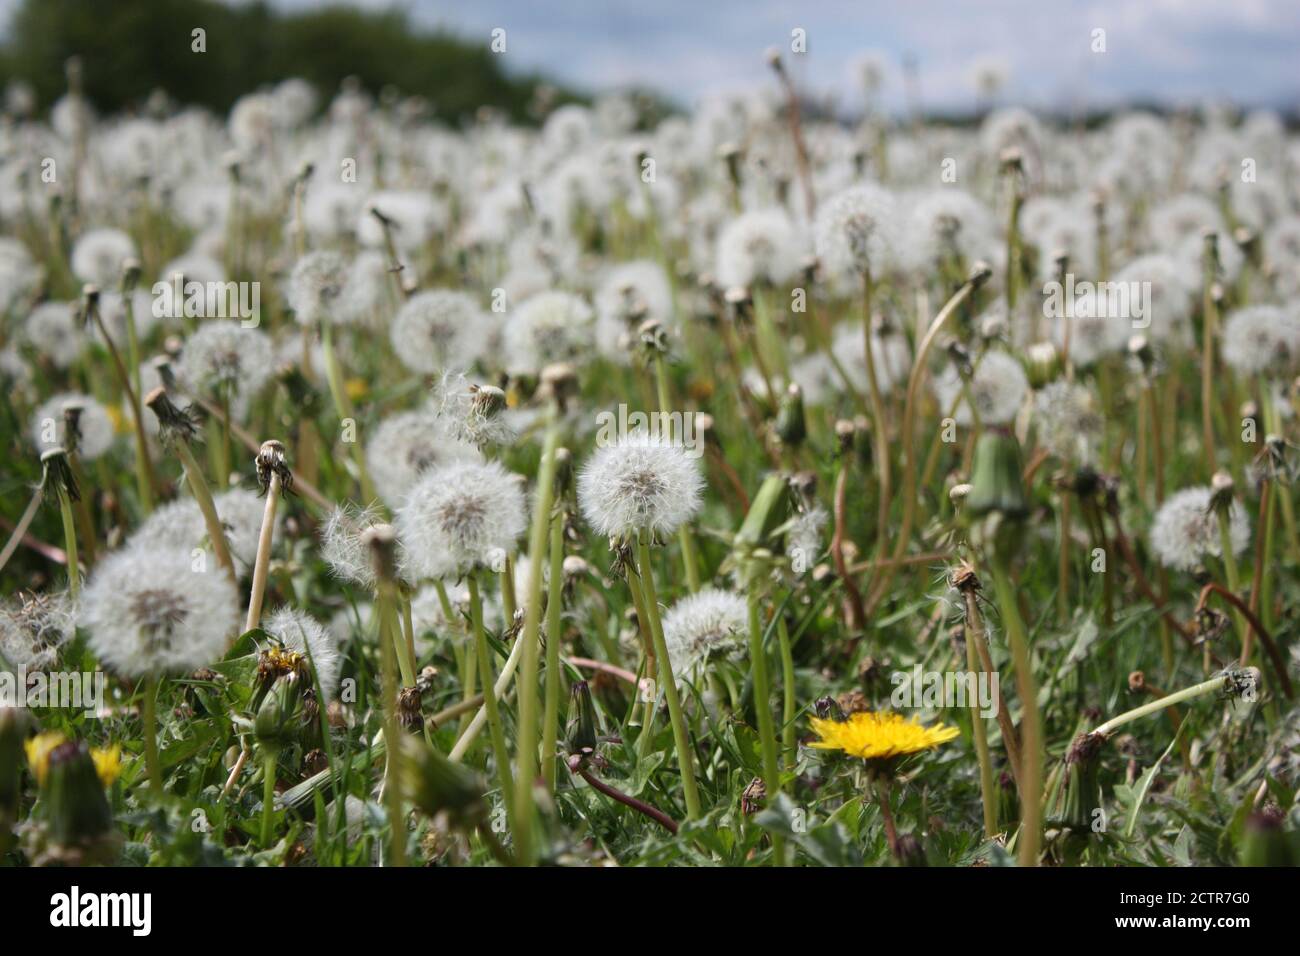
(1173, 51)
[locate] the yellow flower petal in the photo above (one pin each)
(879, 736)
(108, 763)
(38, 752)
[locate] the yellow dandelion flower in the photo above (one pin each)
(39, 749)
(879, 736)
(356, 388)
(108, 763)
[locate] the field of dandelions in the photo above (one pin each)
(383, 568)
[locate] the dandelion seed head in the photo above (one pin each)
(1069, 423)
(222, 354)
(342, 547)
(997, 387)
(640, 483)
(439, 330)
(33, 627)
(317, 287)
(548, 328)
(1186, 529)
(406, 446)
(759, 247)
(98, 254)
(460, 516)
(148, 612)
(472, 413)
(709, 625)
(55, 331)
(856, 231)
(49, 428)
(1262, 339)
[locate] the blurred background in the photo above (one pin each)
(955, 58)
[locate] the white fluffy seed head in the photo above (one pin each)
(891, 357)
(856, 231)
(54, 330)
(98, 255)
(222, 354)
(759, 247)
(472, 413)
(460, 516)
(406, 446)
(317, 287)
(1186, 529)
(1068, 419)
(439, 330)
(49, 428)
(547, 328)
(299, 631)
(342, 546)
(32, 629)
(997, 388)
(147, 611)
(705, 626)
(640, 483)
(180, 524)
(1262, 339)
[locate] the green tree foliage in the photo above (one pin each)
(129, 48)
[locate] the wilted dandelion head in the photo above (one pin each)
(149, 612)
(1186, 529)
(342, 547)
(97, 256)
(460, 516)
(1262, 339)
(759, 247)
(640, 483)
(316, 287)
(223, 355)
(32, 629)
(55, 331)
(49, 425)
(997, 387)
(855, 230)
(472, 413)
(406, 446)
(299, 631)
(1068, 418)
(547, 328)
(439, 330)
(707, 625)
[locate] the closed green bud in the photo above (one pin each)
(1265, 841)
(581, 731)
(76, 810)
(1081, 796)
(791, 427)
(278, 716)
(997, 483)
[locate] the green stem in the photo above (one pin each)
(1220, 682)
(988, 796)
(763, 712)
(788, 704)
(526, 728)
(70, 543)
(1031, 738)
(496, 732)
(149, 720)
(269, 761)
(681, 739)
(554, 608)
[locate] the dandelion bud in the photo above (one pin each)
(77, 821)
(581, 734)
(1222, 488)
(790, 424)
(272, 462)
(1265, 841)
(563, 472)
(434, 785)
(279, 714)
(381, 541)
(980, 273)
(13, 729)
(997, 485)
(845, 433)
(1082, 793)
